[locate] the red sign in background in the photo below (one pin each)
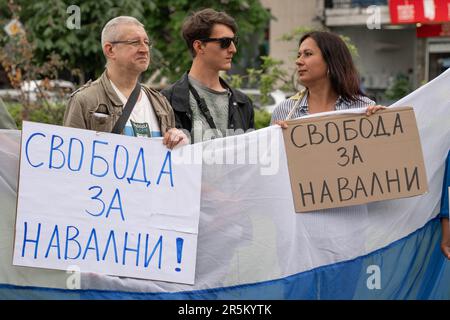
(433, 30)
(419, 11)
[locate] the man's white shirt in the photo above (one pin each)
(143, 120)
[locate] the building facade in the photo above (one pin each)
(395, 38)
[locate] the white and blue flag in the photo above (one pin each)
(252, 244)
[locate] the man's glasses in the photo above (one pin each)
(225, 42)
(134, 43)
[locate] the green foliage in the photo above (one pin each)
(296, 33)
(272, 74)
(269, 76)
(350, 45)
(262, 119)
(399, 88)
(48, 39)
(234, 80)
(46, 21)
(165, 28)
(52, 113)
(18, 59)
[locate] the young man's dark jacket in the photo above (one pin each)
(241, 113)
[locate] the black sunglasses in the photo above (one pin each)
(225, 42)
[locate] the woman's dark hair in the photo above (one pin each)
(199, 25)
(343, 75)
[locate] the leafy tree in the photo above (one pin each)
(51, 113)
(250, 16)
(400, 87)
(262, 119)
(271, 75)
(17, 58)
(47, 22)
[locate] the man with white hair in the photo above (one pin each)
(102, 105)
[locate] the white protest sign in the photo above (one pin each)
(107, 203)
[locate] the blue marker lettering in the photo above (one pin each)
(157, 245)
(26, 149)
(96, 198)
(94, 157)
(25, 240)
(126, 248)
(93, 235)
(116, 195)
(111, 236)
(115, 162)
(168, 157)
(69, 157)
(140, 156)
(72, 238)
(56, 148)
(55, 234)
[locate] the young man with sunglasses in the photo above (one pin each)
(204, 104)
(99, 105)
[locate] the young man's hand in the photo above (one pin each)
(174, 137)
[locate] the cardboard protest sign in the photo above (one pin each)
(348, 159)
(107, 203)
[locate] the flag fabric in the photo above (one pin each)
(252, 244)
(445, 190)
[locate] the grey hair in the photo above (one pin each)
(110, 30)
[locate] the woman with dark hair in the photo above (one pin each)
(326, 69)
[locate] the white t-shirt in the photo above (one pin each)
(142, 121)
